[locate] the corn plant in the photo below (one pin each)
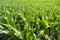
(29, 20)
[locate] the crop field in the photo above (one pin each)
(29, 19)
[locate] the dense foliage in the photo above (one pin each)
(29, 20)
